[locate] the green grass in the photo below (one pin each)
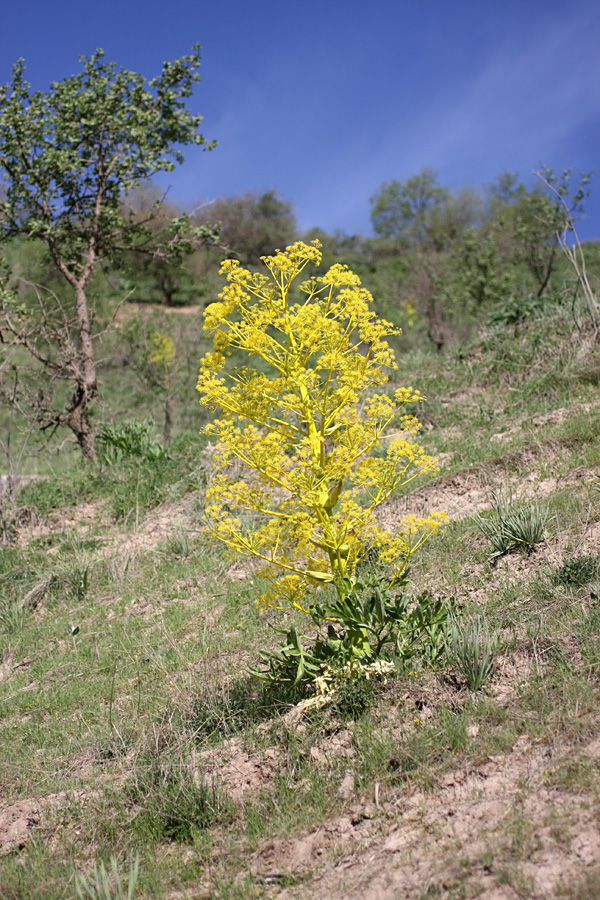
(124, 653)
(131, 488)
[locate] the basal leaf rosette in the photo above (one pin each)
(307, 446)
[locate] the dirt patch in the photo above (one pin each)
(504, 809)
(460, 495)
(558, 416)
(450, 433)
(301, 854)
(469, 492)
(9, 668)
(158, 525)
(339, 744)
(18, 820)
(590, 540)
(236, 769)
(511, 675)
(83, 517)
(240, 770)
(500, 436)
(82, 763)
(243, 569)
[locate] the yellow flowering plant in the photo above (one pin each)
(307, 445)
(162, 357)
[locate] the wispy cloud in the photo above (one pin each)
(523, 105)
(327, 119)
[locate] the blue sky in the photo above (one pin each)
(324, 101)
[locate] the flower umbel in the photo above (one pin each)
(307, 444)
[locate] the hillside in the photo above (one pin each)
(129, 722)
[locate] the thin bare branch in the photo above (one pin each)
(574, 253)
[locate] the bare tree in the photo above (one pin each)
(571, 205)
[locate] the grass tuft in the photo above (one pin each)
(172, 798)
(100, 886)
(473, 647)
(510, 527)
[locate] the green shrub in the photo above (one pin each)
(371, 622)
(130, 439)
(578, 571)
(515, 310)
(354, 697)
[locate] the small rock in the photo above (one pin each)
(346, 788)
(365, 811)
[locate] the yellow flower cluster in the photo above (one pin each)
(162, 355)
(306, 446)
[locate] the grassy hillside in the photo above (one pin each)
(130, 725)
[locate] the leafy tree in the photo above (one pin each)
(450, 221)
(152, 270)
(151, 275)
(504, 191)
(536, 222)
(252, 225)
(430, 223)
(476, 277)
(522, 225)
(68, 156)
(401, 210)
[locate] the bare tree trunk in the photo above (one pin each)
(77, 420)
(168, 412)
(430, 282)
(435, 332)
(549, 266)
(86, 378)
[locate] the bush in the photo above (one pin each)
(578, 571)
(517, 309)
(131, 439)
(371, 623)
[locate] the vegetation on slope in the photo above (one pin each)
(129, 724)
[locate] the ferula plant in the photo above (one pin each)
(307, 445)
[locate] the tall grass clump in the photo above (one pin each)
(99, 885)
(473, 647)
(511, 527)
